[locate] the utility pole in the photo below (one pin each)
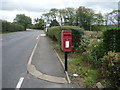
(106, 19)
(118, 14)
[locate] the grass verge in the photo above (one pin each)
(81, 71)
(87, 76)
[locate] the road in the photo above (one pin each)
(16, 50)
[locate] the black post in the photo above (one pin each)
(65, 61)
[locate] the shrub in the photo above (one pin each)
(11, 27)
(111, 39)
(84, 45)
(95, 52)
(110, 42)
(97, 27)
(54, 23)
(55, 34)
(111, 67)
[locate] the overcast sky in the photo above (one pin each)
(34, 8)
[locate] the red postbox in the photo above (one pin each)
(66, 41)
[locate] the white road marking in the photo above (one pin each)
(30, 59)
(20, 82)
(43, 35)
(31, 56)
(38, 36)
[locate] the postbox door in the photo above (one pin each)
(66, 41)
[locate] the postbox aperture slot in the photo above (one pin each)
(67, 34)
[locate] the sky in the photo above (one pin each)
(35, 8)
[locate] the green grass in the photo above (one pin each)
(88, 75)
(77, 64)
(91, 78)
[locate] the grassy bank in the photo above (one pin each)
(87, 65)
(87, 75)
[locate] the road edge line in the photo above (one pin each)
(66, 73)
(33, 51)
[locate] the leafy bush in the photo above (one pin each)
(111, 39)
(55, 34)
(95, 52)
(11, 27)
(54, 23)
(84, 45)
(97, 27)
(110, 42)
(111, 67)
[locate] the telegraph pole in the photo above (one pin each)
(118, 14)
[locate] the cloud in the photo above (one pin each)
(34, 8)
(45, 5)
(10, 15)
(102, 6)
(106, 5)
(31, 5)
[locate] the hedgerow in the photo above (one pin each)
(55, 34)
(11, 27)
(111, 39)
(111, 68)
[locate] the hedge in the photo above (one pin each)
(55, 34)
(110, 68)
(111, 39)
(11, 27)
(97, 27)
